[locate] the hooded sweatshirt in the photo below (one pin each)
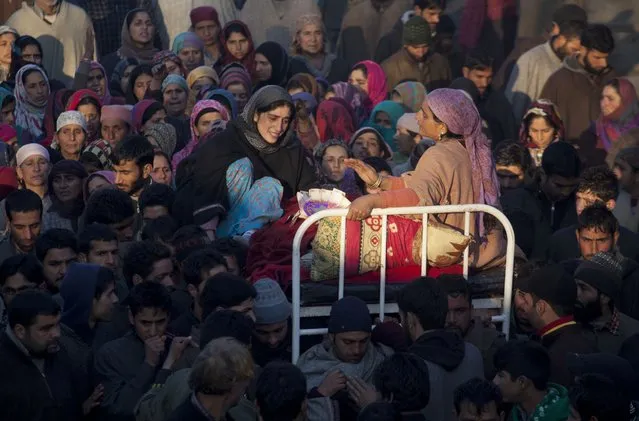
(451, 362)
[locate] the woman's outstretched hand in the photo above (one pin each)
(361, 207)
(365, 171)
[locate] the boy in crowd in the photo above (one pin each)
(56, 249)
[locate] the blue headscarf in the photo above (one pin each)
(394, 111)
(226, 98)
(175, 80)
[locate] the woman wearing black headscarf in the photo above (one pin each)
(271, 65)
(264, 135)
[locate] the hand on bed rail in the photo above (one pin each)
(362, 207)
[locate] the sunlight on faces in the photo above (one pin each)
(142, 29)
(71, 139)
(427, 125)
(175, 100)
(204, 122)
(142, 84)
(42, 337)
(418, 52)
(91, 115)
(55, 265)
(333, 163)
(97, 82)
(350, 347)
(510, 176)
(113, 131)
(191, 57)
(33, 172)
(201, 83)
(32, 54)
(67, 187)
(273, 124)
(311, 39)
(238, 45)
(366, 145)
(126, 75)
(149, 322)
(272, 335)
(359, 79)
(593, 240)
(97, 183)
(7, 113)
(25, 229)
(263, 68)
(162, 172)
(239, 92)
(208, 31)
(128, 176)
(37, 88)
(6, 44)
(587, 199)
(610, 101)
(541, 133)
(626, 175)
(459, 314)
(481, 78)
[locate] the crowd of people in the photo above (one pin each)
(150, 164)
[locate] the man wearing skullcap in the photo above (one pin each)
(346, 353)
(272, 323)
(416, 60)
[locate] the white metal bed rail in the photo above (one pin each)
(504, 317)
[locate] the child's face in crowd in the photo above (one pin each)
(510, 388)
(333, 163)
(238, 45)
(149, 323)
(7, 113)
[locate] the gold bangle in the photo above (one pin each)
(377, 183)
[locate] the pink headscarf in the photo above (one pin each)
(197, 110)
(624, 118)
(377, 91)
(106, 98)
(458, 112)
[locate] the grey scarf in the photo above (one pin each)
(260, 99)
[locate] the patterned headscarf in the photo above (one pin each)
(541, 108)
(175, 80)
(377, 90)
(359, 100)
(458, 112)
(335, 120)
(29, 115)
(167, 55)
(624, 118)
(165, 135)
(412, 94)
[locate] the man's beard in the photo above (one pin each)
(588, 67)
(589, 312)
(139, 184)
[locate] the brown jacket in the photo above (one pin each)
(433, 73)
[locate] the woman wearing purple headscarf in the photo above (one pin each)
(458, 170)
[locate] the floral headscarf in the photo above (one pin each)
(165, 135)
(377, 90)
(29, 115)
(624, 118)
(458, 112)
(541, 108)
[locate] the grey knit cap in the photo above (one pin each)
(416, 32)
(271, 305)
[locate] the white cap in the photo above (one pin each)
(71, 117)
(30, 150)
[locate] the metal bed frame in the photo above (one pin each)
(383, 307)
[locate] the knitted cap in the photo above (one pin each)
(350, 314)
(71, 117)
(271, 305)
(552, 284)
(416, 32)
(602, 272)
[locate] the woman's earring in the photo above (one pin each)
(441, 135)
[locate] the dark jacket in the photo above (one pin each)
(570, 339)
(451, 361)
(495, 108)
(189, 412)
(610, 340)
(434, 72)
(577, 93)
(629, 299)
(488, 340)
(28, 394)
(563, 244)
(121, 368)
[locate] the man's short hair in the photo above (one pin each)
(95, 232)
(227, 246)
(594, 396)
(109, 206)
(23, 200)
(455, 286)
(160, 229)
(430, 4)
(141, 256)
(225, 290)
(478, 59)
(28, 305)
(280, 392)
(524, 359)
(220, 366)
(512, 154)
(134, 148)
(201, 261)
(598, 218)
(404, 378)
(157, 195)
(229, 323)
(55, 238)
(25, 264)
(561, 158)
(479, 392)
(598, 37)
(600, 181)
(149, 295)
(572, 28)
(188, 239)
(105, 277)
(426, 300)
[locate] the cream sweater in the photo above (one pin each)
(65, 42)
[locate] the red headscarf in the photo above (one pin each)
(78, 96)
(377, 91)
(624, 118)
(335, 120)
(227, 57)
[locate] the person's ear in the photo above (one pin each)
(611, 204)
(82, 258)
(255, 118)
(20, 331)
(465, 72)
(554, 30)
(146, 171)
(192, 290)
(583, 51)
(616, 237)
(131, 318)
